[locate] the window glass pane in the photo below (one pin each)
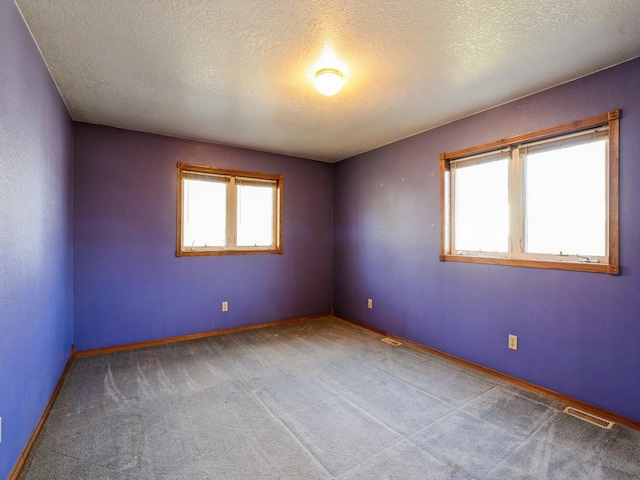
(255, 215)
(566, 200)
(204, 213)
(482, 207)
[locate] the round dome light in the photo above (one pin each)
(329, 81)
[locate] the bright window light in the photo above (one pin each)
(255, 215)
(224, 211)
(205, 207)
(566, 202)
(482, 207)
(546, 199)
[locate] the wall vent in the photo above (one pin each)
(391, 341)
(587, 417)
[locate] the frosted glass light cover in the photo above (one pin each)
(328, 81)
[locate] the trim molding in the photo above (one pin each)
(569, 401)
(15, 472)
(17, 468)
(193, 336)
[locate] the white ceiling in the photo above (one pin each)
(241, 72)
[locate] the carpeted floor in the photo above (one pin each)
(312, 400)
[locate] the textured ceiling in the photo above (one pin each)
(241, 72)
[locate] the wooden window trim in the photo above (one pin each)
(612, 267)
(279, 179)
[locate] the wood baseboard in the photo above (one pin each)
(194, 336)
(17, 468)
(569, 401)
(15, 472)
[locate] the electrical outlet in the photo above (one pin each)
(513, 342)
(225, 306)
(369, 303)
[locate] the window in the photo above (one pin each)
(228, 212)
(547, 199)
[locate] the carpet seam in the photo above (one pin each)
(294, 436)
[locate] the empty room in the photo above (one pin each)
(319, 239)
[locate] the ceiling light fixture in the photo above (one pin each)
(328, 81)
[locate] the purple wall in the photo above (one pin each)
(35, 235)
(376, 216)
(128, 284)
(578, 332)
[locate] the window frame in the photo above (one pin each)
(611, 265)
(185, 168)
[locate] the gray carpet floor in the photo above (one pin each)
(311, 400)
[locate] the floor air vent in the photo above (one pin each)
(587, 417)
(391, 341)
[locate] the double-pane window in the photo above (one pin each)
(223, 211)
(547, 199)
